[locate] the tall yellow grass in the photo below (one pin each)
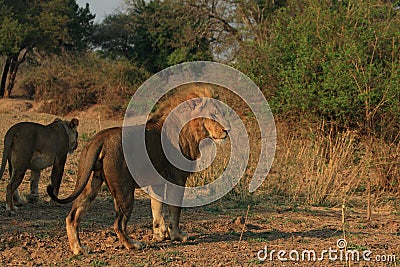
(318, 167)
(315, 166)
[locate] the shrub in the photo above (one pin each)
(333, 60)
(69, 83)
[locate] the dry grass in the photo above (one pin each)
(317, 167)
(68, 84)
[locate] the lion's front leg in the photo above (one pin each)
(174, 231)
(160, 231)
(175, 195)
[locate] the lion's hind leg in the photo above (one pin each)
(78, 210)
(123, 207)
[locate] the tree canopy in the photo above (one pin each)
(157, 34)
(336, 60)
(49, 26)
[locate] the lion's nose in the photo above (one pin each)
(227, 128)
(226, 131)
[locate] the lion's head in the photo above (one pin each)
(200, 104)
(213, 123)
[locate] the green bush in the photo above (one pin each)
(334, 60)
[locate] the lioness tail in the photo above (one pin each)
(8, 141)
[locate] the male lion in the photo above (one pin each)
(104, 158)
(29, 145)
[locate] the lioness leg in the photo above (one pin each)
(160, 231)
(16, 197)
(79, 209)
(33, 197)
(16, 178)
(57, 173)
(18, 201)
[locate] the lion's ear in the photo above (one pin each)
(194, 101)
(74, 123)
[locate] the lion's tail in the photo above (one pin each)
(8, 141)
(87, 163)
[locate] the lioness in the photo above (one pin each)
(104, 158)
(29, 145)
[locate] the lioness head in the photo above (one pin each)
(71, 127)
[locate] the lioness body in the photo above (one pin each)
(33, 146)
(102, 160)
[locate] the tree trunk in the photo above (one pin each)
(12, 74)
(15, 61)
(4, 75)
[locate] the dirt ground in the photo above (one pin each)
(225, 233)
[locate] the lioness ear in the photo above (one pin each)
(74, 123)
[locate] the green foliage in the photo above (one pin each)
(115, 35)
(65, 24)
(45, 25)
(154, 34)
(335, 60)
(98, 263)
(10, 35)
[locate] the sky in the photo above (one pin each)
(101, 7)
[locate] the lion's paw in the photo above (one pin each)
(12, 210)
(134, 245)
(159, 236)
(32, 198)
(178, 236)
(160, 233)
(83, 250)
(10, 213)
